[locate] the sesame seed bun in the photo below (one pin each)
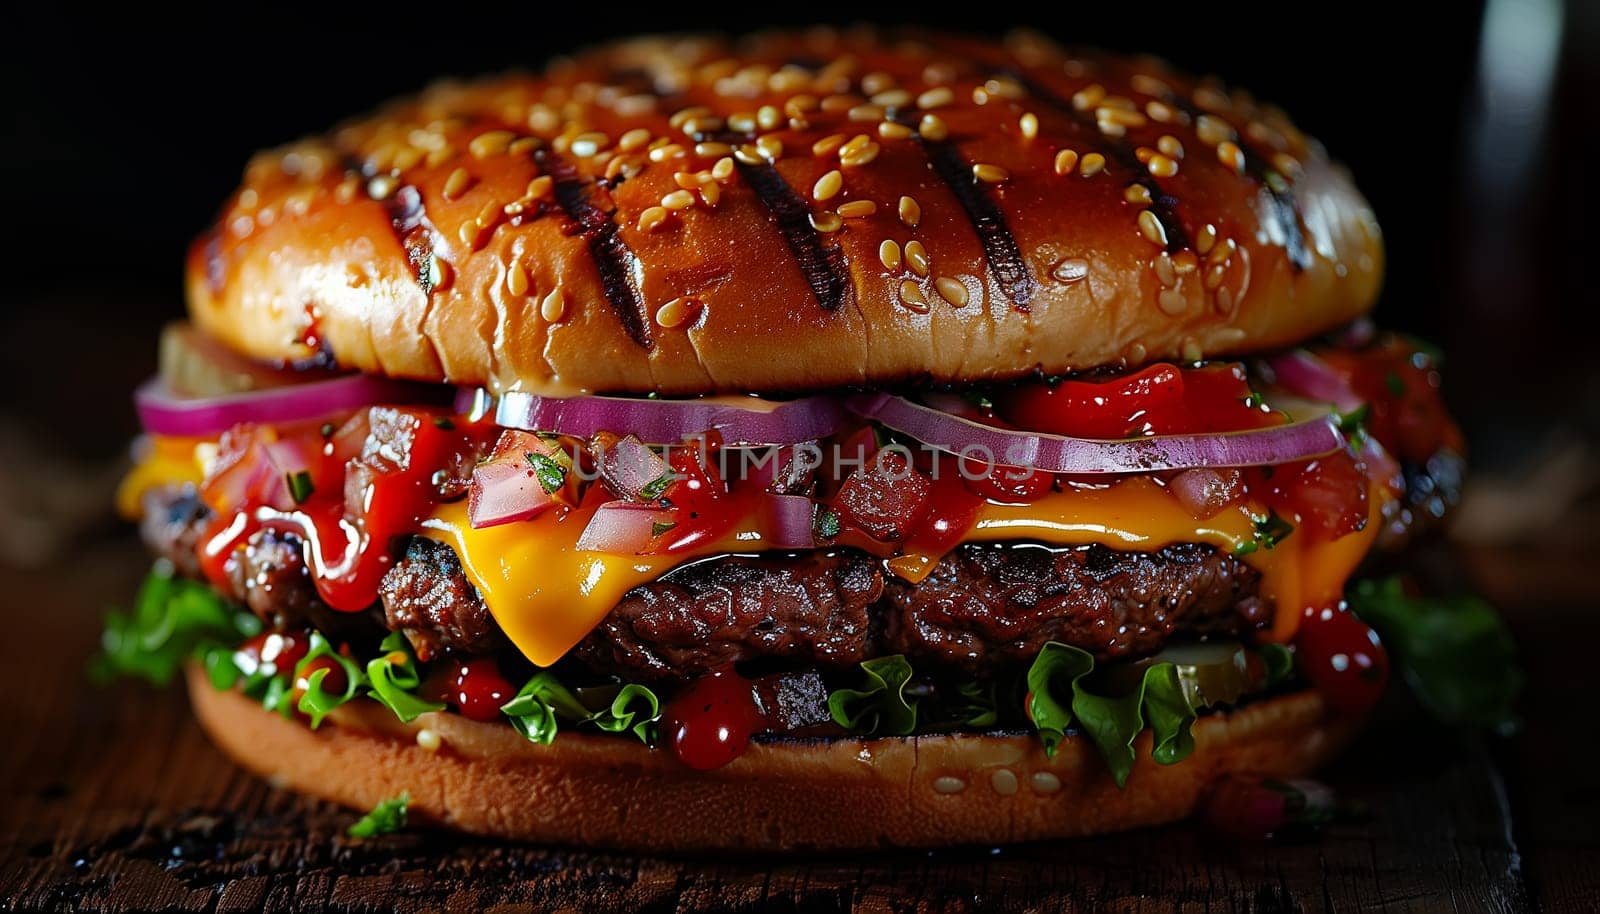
(611, 792)
(790, 211)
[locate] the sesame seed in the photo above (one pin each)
(429, 739)
(678, 199)
(438, 273)
(856, 144)
(587, 145)
(1088, 97)
(682, 116)
(1231, 155)
(633, 139)
(828, 185)
(1224, 301)
(1120, 116)
(1149, 85)
(1137, 194)
(554, 306)
(1287, 164)
(652, 218)
(857, 209)
(933, 128)
(1151, 228)
(990, 174)
(936, 98)
(890, 130)
(723, 170)
(406, 158)
(826, 222)
(1160, 112)
(876, 82)
(1070, 270)
(677, 312)
(910, 212)
(866, 113)
(749, 154)
(1212, 99)
(457, 183)
(1004, 782)
(917, 258)
(951, 290)
(711, 193)
(1184, 263)
(859, 157)
(686, 180)
(1066, 160)
(712, 150)
(516, 279)
(1161, 166)
(889, 254)
(827, 144)
(1029, 125)
(768, 117)
(1165, 270)
(911, 295)
(1190, 350)
(948, 784)
(893, 98)
(382, 187)
(1212, 129)
(540, 187)
(1137, 352)
(665, 152)
(492, 143)
(742, 122)
(1169, 146)
(1092, 163)
(1262, 133)
(1205, 238)
(1224, 251)
(1213, 277)
(771, 147)
(1045, 782)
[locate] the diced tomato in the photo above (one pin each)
(480, 689)
(1342, 657)
(952, 509)
(1013, 485)
(1325, 497)
(1400, 383)
(885, 499)
(703, 507)
(1162, 399)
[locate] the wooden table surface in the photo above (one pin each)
(111, 799)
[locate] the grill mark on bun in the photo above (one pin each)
(1163, 206)
(823, 265)
(999, 245)
(613, 259)
(1282, 207)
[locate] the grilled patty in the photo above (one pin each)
(983, 605)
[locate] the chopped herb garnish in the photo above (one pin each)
(653, 489)
(827, 523)
(551, 474)
(1353, 421)
(300, 486)
(1270, 530)
(1254, 401)
(659, 527)
(388, 817)
(443, 423)
(978, 400)
(327, 430)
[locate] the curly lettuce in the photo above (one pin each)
(172, 620)
(880, 707)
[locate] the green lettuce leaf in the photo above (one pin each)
(1455, 652)
(1278, 660)
(1058, 697)
(536, 706)
(388, 817)
(635, 708)
(979, 707)
(172, 620)
(393, 679)
(881, 708)
(317, 701)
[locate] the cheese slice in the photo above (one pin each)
(547, 594)
(162, 461)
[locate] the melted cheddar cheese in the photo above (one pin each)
(546, 594)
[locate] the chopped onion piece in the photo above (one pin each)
(623, 527)
(790, 518)
(1304, 375)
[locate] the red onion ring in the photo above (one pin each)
(1304, 375)
(163, 413)
(1059, 454)
(671, 421)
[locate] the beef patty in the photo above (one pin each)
(983, 605)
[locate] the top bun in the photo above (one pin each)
(790, 211)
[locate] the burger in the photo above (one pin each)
(812, 440)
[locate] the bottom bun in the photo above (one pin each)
(835, 794)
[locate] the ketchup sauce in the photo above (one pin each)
(709, 724)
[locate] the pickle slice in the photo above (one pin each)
(1209, 672)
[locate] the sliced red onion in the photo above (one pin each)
(790, 521)
(504, 491)
(761, 423)
(630, 465)
(163, 413)
(1304, 375)
(1060, 454)
(622, 527)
